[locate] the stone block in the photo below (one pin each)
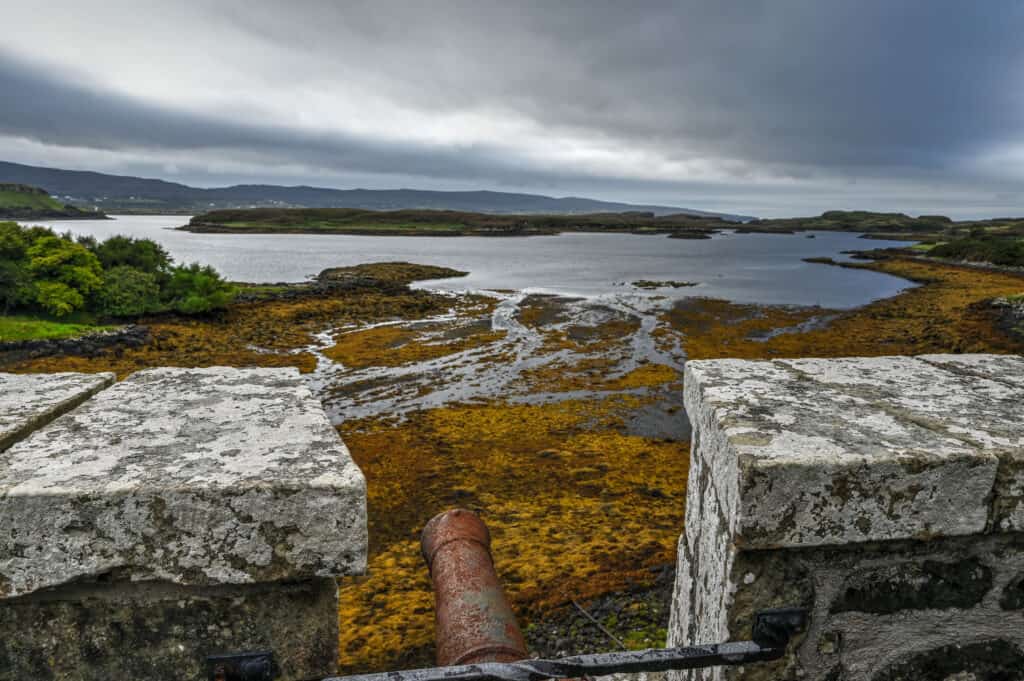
(882, 494)
(915, 585)
(155, 631)
(815, 452)
(193, 476)
(1006, 370)
(176, 514)
(30, 401)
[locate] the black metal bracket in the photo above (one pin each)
(252, 666)
(775, 627)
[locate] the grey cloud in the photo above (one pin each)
(865, 85)
(53, 111)
(902, 95)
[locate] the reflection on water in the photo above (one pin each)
(754, 268)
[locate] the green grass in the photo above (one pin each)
(24, 200)
(19, 328)
(924, 248)
(356, 226)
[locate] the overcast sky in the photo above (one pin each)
(766, 108)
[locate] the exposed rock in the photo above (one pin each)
(89, 345)
(1010, 311)
(650, 284)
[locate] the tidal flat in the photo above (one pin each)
(558, 418)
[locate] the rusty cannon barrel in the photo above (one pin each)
(474, 622)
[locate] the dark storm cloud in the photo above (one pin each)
(863, 84)
(918, 95)
(53, 111)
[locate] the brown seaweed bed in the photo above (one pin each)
(559, 420)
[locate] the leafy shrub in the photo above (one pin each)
(64, 272)
(16, 287)
(15, 279)
(195, 288)
(1005, 251)
(122, 276)
(58, 298)
(13, 242)
(128, 291)
(145, 255)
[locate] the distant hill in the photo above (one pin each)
(24, 202)
(114, 193)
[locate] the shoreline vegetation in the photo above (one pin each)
(59, 278)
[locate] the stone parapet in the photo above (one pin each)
(176, 514)
(30, 401)
(882, 494)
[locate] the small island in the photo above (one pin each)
(649, 284)
(23, 202)
(447, 223)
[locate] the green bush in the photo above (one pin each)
(195, 288)
(16, 289)
(64, 273)
(127, 291)
(998, 251)
(145, 255)
(58, 298)
(41, 271)
(15, 279)
(13, 242)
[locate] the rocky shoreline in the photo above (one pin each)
(634, 618)
(89, 345)
(1010, 312)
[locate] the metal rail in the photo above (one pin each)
(772, 632)
(478, 638)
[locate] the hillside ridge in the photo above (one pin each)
(122, 193)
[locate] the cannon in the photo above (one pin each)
(478, 638)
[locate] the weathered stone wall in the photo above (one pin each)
(884, 495)
(177, 514)
(28, 403)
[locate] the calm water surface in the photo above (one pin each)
(749, 268)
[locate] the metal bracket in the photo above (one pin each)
(252, 666)
(774, 628)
